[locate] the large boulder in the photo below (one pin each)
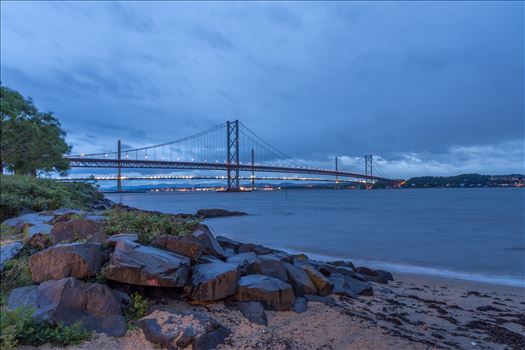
(267, 265)
(69, 301)
(188, 246)
(8, 251)
(299, 279)
(78, 260)
(350, 287)
(214, 281)
(147, 266)
(179, 330)
(273, 293)
(78, 229)
(255, 248)
(328, 269)
(211, 247)
(242, 259)
(226, 243)
(322, 283)
(378, 276)
(113, 240)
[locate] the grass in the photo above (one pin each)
(147, 225)
(19, 328)
(24, 192)
(16, 274)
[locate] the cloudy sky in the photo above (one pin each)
(429, 88)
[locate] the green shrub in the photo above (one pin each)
(139, 307)
(24, 192)
(16, 274)
(19, 328)
(147, 225)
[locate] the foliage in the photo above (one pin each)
(139, 307)
(31, 141)
(19, 327)
(148, 225)
(21, 192)
(464, 180)
(16, 274)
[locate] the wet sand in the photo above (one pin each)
(413, 312)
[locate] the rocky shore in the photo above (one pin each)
(204, 291)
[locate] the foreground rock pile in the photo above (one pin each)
(197, 267)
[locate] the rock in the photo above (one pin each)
(206, 239)
(147, 266)
(343, 263)
(67, 211)
(299, 279)
(255, 248)
(39, 241)
(43, 229)
(30, 218)
(267, 265)
(68, 301)
(186, 245)
(78, 260)
(253, 311)
(323, 284)
(300, 305)
(350, 287)
(328, 269)
(226, 242)
(132, 237)
(177, 330)
(24, 297)
(9, 251)
(385, 274)
(273, 293)
(366, 271)
(282, 256)
(378, 276)
(100, 218)
(242, 259)
(206, 259)
(78, 229)
(214, 281)
(320, 299)
(215, 213)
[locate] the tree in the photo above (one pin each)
(31, 141)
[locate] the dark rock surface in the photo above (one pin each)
(300, 305)
(178, 330)
(78, 229)
(188, 246)
(8, 252)
(211, 247)
(253, 311)
(242, 259)
(214, 281)
(132, 237)
(69, 300)
(142, 265)
(273, 293)
(266, 265)
(226, 242)
(216, 213)
(299, 279)
(350, 287)
(322, 283)
(78, 260)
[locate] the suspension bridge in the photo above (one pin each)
(230, 147)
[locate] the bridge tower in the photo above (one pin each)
(253, 170)
(368, 171)
(119, 167)
(232, 155)
(336, 172)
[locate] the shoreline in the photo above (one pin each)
(404, 269)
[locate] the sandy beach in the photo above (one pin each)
(413, 312)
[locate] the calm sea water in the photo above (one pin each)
(473, 234)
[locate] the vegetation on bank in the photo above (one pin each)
(23, 192)
(31, 141)
(465, 180)
(148, 225)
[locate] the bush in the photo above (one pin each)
(19, 327)
(148, 225)
(23, 192)
(139, 307)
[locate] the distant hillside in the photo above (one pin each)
(466, 180)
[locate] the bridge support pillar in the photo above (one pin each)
(119, 168)
(253, 170)
(232, 156)
(368, 172)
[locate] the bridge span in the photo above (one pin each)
(229, 147)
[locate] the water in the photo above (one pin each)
(473, 234)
